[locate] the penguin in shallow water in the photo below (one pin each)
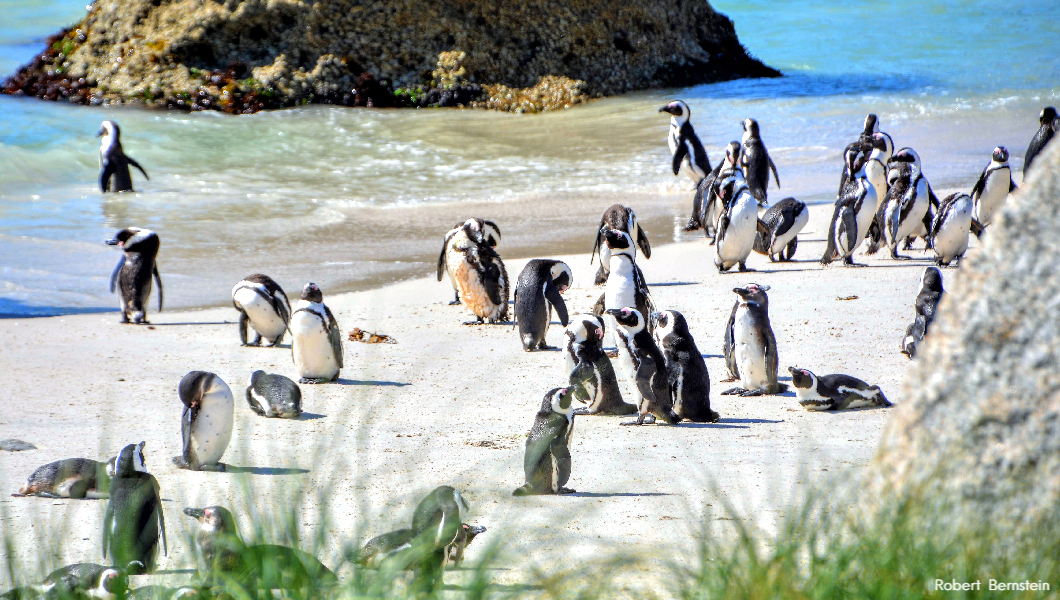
(132, 275)
(1048, 120)
(782, 223)
(834, 392)
(134, 521)
(206, 421)
(538, 291)
(750, 347)
(927, 301)
(272, 395)
(114, 173)
(685, 367)
(993, 187)
(316, 341)
(688, 153)
(589, 369)
(643, 363)
(262, 305)
(949, 232)
(707, 206)
(621, 218)
(755, 161)
(547, 462)
(738, 225)
(458, 237)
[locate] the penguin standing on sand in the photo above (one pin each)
(589, 369)
(457, 237)
(547, 463)
(316, 343)
(134, 520)
(206, 421)
(685, 368)
(114, 173)
(738, 225)
(910, 156)
(707, 207)
(437, 523)
(782, 223)
(272, 395)
(750, 347)
(993, 187)
(643, 363)
(872, 126)
(478, 271)
(1048, 121)
(756, 163)
(854, 213)
(834, 392)
(538, 291)
(927, 301)
(626, 285)
(132, 275)
(621, 218)
(903, 210)
(688, 153)
(949, 232)
(262, 305)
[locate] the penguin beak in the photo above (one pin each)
(113, 242)
(668, 109)
(102, 131)
(614, 312)
(473, 530)
(198, 513)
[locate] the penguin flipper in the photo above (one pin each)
(679, 155)
(335, 336)
(645, 373)
(186, 420)
(561, 453)
(137, 165)
(244, 323)
(556, 300)
(441, 259)
(161, 516)
(729, 344)
(596, 242)
(108, 171)
(158, 280)
(108, 527)
(773, 167)
(980, 185)
(642, 241)
(1012, 185)
(117, 271)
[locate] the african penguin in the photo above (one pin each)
(81, 580)
(68, 478)
(316, 341)
(378, 550)
(750, 347)
(853, 214)
(908, 155)
(114, 175)
(537, 291)
(546, 463)
(1048, 120)
(755, 161)
(457, 237)
(927, 301)
(479, 273)
(206, 421)
(436, 524)
(783, 221)
(133, 273)
(688, 153)
(707, 207)
(262, 305)
(623, 219)
(643, 364)
(685, 367)
(993, 187)
(134, 520)
(949, 232)
(626, 285)
(903, 210)
(872, 126)
(737, 226)
(834, 392)
(272, 395)
(589, 369)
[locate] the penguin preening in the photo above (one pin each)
(1048, 125)
(272, 395)
(872, 126)
(316, 341)
(134, 520)
(114, 173)
(132, 275)
(927, 301)
(783, 221)
(750, 347)
(834, 392)
(853, 214)
(756, 163)
(993, 187)
(477, 271)
(263, 306)
(377, 551)
(707, 207)
(738, 225)
(949, 232)
(547, 463)
(644, 364)
(685, 368)
(685, 147)
(623, 219)
(538, 291)
(206, 421)
(458, 237)
(903, 211)
(589, 369)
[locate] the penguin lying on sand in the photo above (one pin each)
(547, 463)
(262, 305)
(685, 368)
(114, 173)
(134, 520)
(589, 369)
(457, 237)
(620, 218)
(537, 292)
(834, 392)
(272, 395)
(73, 478)
(132, 275)
(81, 580)
(206, 421)
(927, 300)
(750, 347)
(783, 222)
(644, 364)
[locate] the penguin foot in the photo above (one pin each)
(455, 302)
(124, 319)
(214, 468)
(181, 463)
(475, 322)
(736, 391)
(744, 269)
(525, 490)
(647, 419)
(612, 353)
(566, 490)
(897, 256)
(730, 380)
(692, 225)
(313, 380)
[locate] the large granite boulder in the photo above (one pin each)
(978, 440)
(243, 55)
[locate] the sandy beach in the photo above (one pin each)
(451, 404)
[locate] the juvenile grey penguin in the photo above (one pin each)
(623, 219)
(133, 273)
(755, 161)
(206, 421)
(738, 225)
(316, 341)
(81, 580)
(1047, 119)
(993, 187)
(782, 223)
(378, 550)
(643, 363)
(949, 232)
(272, 395)
(457, 237)
(68, 478)
(134, 521)
(688, 153)
(707, 206)
(262, 305)
(538, 291)
(547, 462)
(834, 392)
(589, 369)
(114, 173)
(750, 347)
(927, 300)
(685, 368)
(481, 280)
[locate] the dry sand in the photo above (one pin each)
(451, 404)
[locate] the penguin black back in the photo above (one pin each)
(272, 395)
(134, 271)
(686, 370)
(547, 462)
(114, 175)
(134, 521)
(925, 305)
(1048, 123)
(539, 287)
(756, 161)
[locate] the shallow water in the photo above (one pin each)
(352, 198)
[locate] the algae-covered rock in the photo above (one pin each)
(245, 55)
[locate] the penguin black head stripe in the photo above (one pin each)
(1047, 116)
(618, 241)
(130, 460)
(678, 109)
(628, 317)
(312, 293)
(800, 378)
(1000, 154)
(753, 292)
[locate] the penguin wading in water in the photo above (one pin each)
(621, 218)
(262, 305)
(272, 395)
(927, 301)
(738, 225)
(316, 341)
(750, 347)
(685, 368)
(949, 232)
(707, 205)
(538, 291)
(457, 238)
(132, 275)
(114, 175)
(590, 371)
(854, 213)
(1048, 120)
(783, 221)
(993, 187)
(834, 392)
(546, 463)
(756, 163)
(481, 279)
(643, 363)
(687, 151)
(133, 522)
(206, 421)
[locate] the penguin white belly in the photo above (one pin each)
(809, 399)
(263, 317)
(951, 240)
(212, 429)
(750, 352)
(782, 241)
(993, 196)
(311, 347)
(867, 213)
(569, 360)
(915, 217)
(736, 245)
(876, 174)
